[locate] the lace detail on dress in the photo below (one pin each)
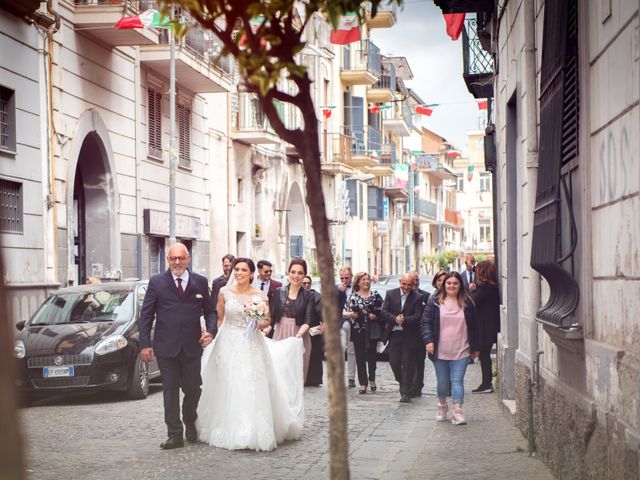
(234, 306)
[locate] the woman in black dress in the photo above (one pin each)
(314, 374)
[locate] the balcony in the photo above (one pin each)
(424, 211)
(386, 16)
(337, 154)
(199, 68)
(386, 160)
(361, 63)
(365, 145)
(477, 62)
(384, 89)
(250, 124)
(398, 119)
(453, 218)
(97, 18)
(431, 164)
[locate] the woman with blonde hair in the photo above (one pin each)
(449, 333)
(486, 297)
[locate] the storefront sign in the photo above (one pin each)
(157, 223)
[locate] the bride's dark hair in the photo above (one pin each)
(248, 261)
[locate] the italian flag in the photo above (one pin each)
(348, 30)
(148, 19)
(422, 110)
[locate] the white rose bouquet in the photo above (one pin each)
(255, 310)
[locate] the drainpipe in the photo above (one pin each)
(138, 154)
(532, 180)
(230, 204)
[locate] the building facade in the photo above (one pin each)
(565, 159)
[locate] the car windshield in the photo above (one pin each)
(81, 307)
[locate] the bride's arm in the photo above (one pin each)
(220, 310)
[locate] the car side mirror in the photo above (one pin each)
(20, 325)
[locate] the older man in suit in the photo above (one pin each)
(176, 299)
(421, 355)
(401, 313)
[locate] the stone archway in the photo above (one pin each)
(93, 234)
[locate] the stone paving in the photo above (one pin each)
(104, 437)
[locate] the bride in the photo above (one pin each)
(252, 393)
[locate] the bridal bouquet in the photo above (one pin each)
(255, 310)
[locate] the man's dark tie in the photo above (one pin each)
(262, 286)
(180, 289)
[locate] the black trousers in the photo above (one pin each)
(418, 380)
(485, 365)
(403, 362)
(180, 372)
(365, 356)
(314, 374)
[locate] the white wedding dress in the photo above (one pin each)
(252, 392)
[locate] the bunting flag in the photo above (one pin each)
(326, 112)
(470, 169)
(454, 22)
(148, 19)
(482, 104)
(377, 108)
(453, 154)
(348, 30)
(424, 110)
(254, 24)
(401, 175)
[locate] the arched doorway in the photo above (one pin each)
(93, 212)
(295, 222)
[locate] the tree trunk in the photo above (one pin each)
(11, 459)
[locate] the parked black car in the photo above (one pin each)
(82, 339)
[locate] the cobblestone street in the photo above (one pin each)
(104, 437)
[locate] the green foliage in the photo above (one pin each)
(450, 256)
(481, 257)
(430, 262)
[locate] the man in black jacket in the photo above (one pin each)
(175, 300)
(222, 280)
(401, 313)
(421, 355)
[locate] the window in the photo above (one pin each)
(375, 197)
(7, 119)
(484, 229)
(352, 191)
(156, 255)
(184, 135)
(240, 192)
(155, 123)
(10, 206)
(460, 183)
(485, 182)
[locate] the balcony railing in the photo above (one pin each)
(386, 15)
(338, 148)
(453, 217)
(477, 62)
(387, 78)
(361, 63)
(387, 153)
(398, 118)
(365, 139)
(139, 5)
(425, 208)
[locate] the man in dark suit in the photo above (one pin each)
(469, 273)
(421, 356)
(401, 312)
(176, 299)
(263, 280)
(222, 280)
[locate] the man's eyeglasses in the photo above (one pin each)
(306, 283)
(176, 259)
(267, 272)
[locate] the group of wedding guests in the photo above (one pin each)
(456, 324)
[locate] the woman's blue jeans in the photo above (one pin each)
(451, 372)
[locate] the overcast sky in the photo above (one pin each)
(436, 63)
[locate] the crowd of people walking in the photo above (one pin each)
(272, 333)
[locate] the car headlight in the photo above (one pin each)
(18, 349)
(110, 344)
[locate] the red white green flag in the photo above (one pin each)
(424, 110)
(348, 30)
(148, 19)
(482, 104)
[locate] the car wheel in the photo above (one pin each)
(139, 383)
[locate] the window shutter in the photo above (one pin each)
(559, 117)
(375, 203)
(353, 198)
(11, 206)
(184, 135)
(155, 123)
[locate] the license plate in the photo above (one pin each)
(64, 371)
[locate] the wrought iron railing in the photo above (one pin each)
(476, 60)
(362, 56)
(387, 78)
(387, 153)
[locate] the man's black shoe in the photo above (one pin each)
(190, 432)
(415, 394)
(172, 442)
(405, 399)
(483, 389)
